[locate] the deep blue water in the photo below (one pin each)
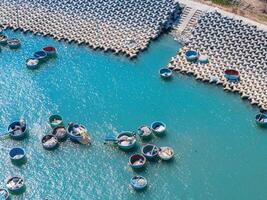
(220, 153)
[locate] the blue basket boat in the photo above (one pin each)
(78, 133)
(60, 132)
(40, 55)
(17, 155)
(32, 63)
(150, 151)
(16, 185)
(50, 51)
(261, 119)
(191, 55)
(138, 182)
(50, 142)
(3, 39)
(165, 73)
(55, 120)
(232, 75)
(13, 43)
(166, 153)
(158, 127)
(137, 161)
(145, 132)
(4, 194)
(18, 130)
(126, 140)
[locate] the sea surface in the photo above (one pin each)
(219, 151)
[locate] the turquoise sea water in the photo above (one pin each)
(220, 153)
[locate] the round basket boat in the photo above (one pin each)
(138, 182)
(17, 155)
(32, 63)
(165, 73)
(3, 39)
(145, 132)
(137, 161)
(126, 140)
(232, 75)
(17, 130)
(55, 120)
(203, 59)
(13, 43)
(60, 132)
(4, 194)
(40, 55)
(150, 151)
(78, 133)
(16, 185)
(158, 127)
(261, 119)
(50, 51)
(166, 153)
(50, 142)
(191, 55)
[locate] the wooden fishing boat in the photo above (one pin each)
(50, 51)
(78, 133)
(3, 39)
(32, 63)
(60, 132)
(4, 194)
(55, 120)
(40, 55)
(50, 142)
(15, 185)
(158, 127)
(150, 151)
(145, 132)
(165, 73)
(18, 130)
(166, 153)
(13, 43)
(126, 140)
(191, 55)
(17, 155)
(138, 182)
(261, 119)
(137, 161)
(232, 75)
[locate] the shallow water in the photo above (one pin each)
(220, 153)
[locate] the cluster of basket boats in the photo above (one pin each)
(128, 140)
(12, 43)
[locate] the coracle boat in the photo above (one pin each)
(15, 185)
(145, 132)
(137, 161)
(50, 51)
(261, 119)
(55, 120)
(78, 133)
(158, 127)
(126, 140)
(13, 43)
(32, 63)
(191, 55)
(3, 39)
(50, 142)
(60, 132)
(138, 182)
(150, 151)
(17, 155)
(165, 73)
(4, 194)
(18, 130)
(40, 55)
(232, 75)
(166, 153)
